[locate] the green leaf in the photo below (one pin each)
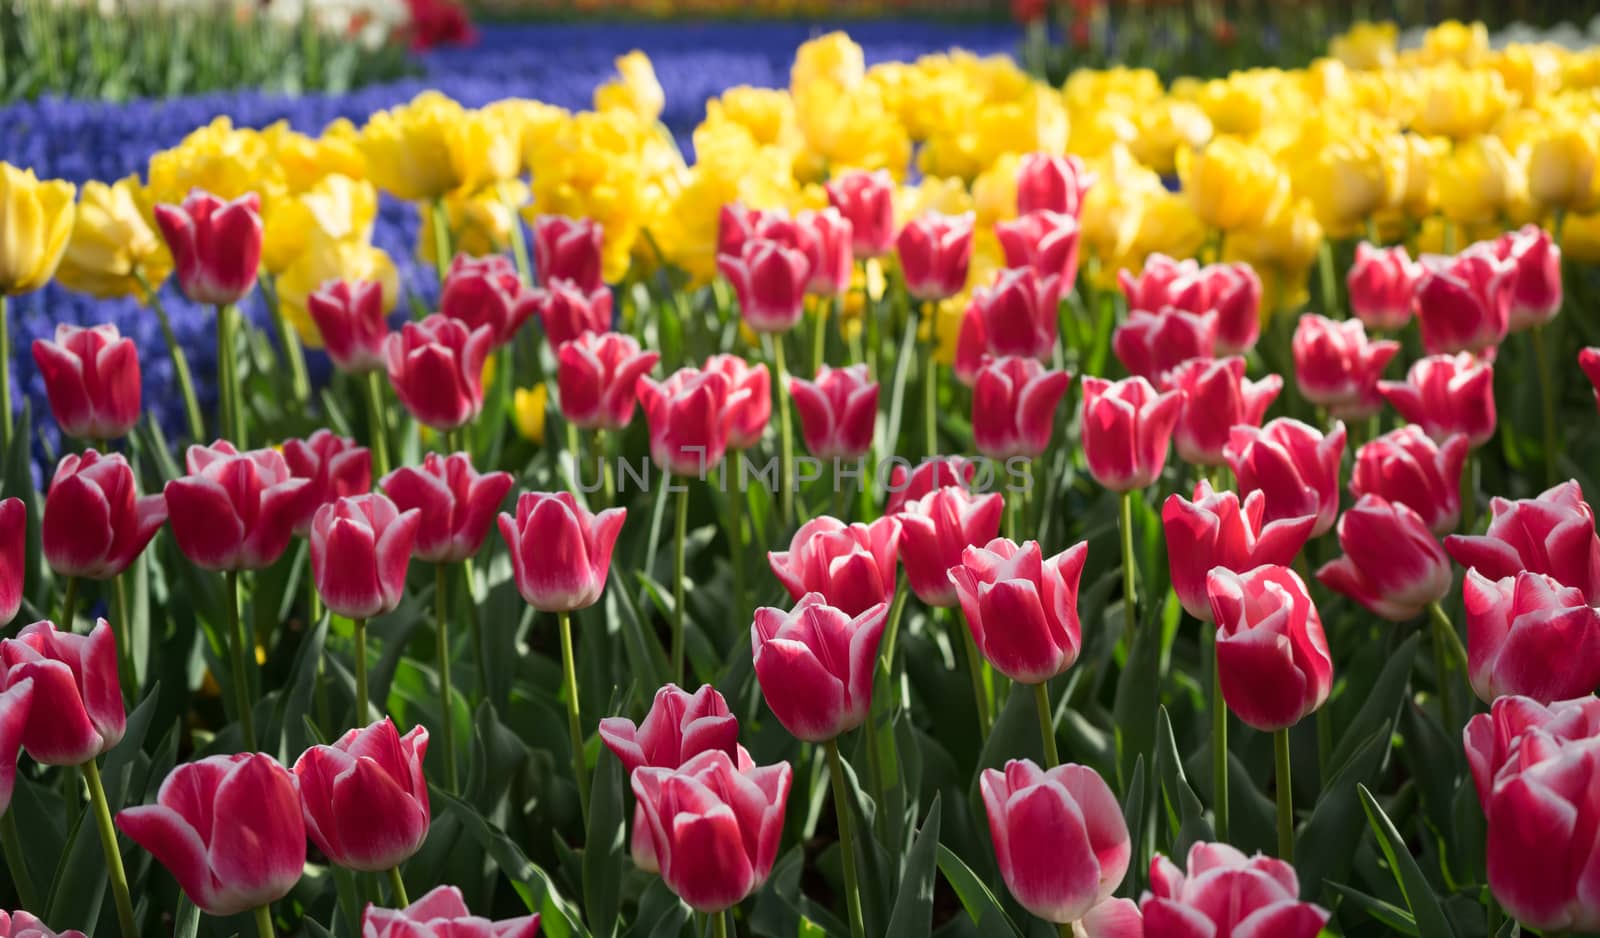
(1135, 809)
(981, 905)
(186, 924)
(558, 917)
(1381, 705)
(912, 916)
(1419, 896)
(1396, 918)
(1186, 816)
(605, 847)
(1138, 696)
(1328, 841)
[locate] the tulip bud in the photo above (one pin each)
(1216, 398)
(598, 375)
(690, 416)
(487, 291)
(1383, 284)
(1272, 657)
(1151, 344)
(1226, 893)
(1216, 531)
(1463, 303)
(749, 398)
(1553, 534)
(560, 552)
(442, 913)
(1446, 395)
(455, 503)
(351, 319)
(934, 531)
(1059, 837)
(1294, 464)
(825, 241)
(235, 511)
(364, 798)
(1018, 315)
(436, 367)
(838, 412)
(1536, 275)
(228, 828)
(360, 548)
(1589, 361)
(1127, 428)
(1337, 367)
(1392, 563)
(335, 467)
(77, 710)
(1045, 242)
(816, 664)
(13, 560)
(1014, 403)
(866, 200)
(907, 484)
(716, 826)
(95, 522)
(91, 377)
(935, 252)
(1052, 184)
(852, 566)
(1518, 627)
(1021, 607)
(569, 249)
(1407, 467)
(769, 278)
(737, 225)
(215, 244)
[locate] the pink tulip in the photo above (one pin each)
(816, 664)
(16, 704)
(1553, 534)
(1059, 837)
(934, 531)
(487, 291)
(95, 522)
(935, 252)
(1127, 428)
(335, 467)
(436, 367)
(20, 924)
(1536, 278)
(455, 504)
(442, 913)
(92, 379)
(1272, 657)
(716, 826)
(866, 200)
(838, 411)
(1022, 608)
(569, 249)
(851, 565)
(1151, 344)
(737, 224)
(77, 710)
(598, 375)
(1294, 464)
(769, 278)
(1216, 398)
(1017, 315)
(1519, 627)
(907, 484)
(749, 398)
(228, 828)
(235, 511)
(1463, 303)
(1589, 361)
(972, 344)
(1235, 296)
(1494, 741)
(1165, 282)
(1383, 284)
(1446, 395)
(354, 327)
(1052, 184)
(1046, 242)
(1225, 893)
(1392, 563)
(560, 552)
(1407, 467)
(825, 241)
(568, 314)
(1014, 403)
(13, 559)
(690, 414)
(1216, 531)
(360, 548)
(215, 245)
(1337, 367)
(364, 798)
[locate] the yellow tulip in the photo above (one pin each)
(1365, 45)
(305, 160)
(325, 260)
(1232, 184)
(1163, 128)
(637, 90)
(1454, 41)
(1580, 238)
(1480, 181)
(1562, 166)
(113, 242)
(933, 194)
(767, 114)
(834, 58)
(336, 208)
(528, 407)
(433, 146)
(1460, 103)
(35, 224)
(994, 192)
(221, 159)
(1282, 250)
(1349, 181)
(479, 223)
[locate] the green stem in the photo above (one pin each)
(1130, 596)
(870, 315)
(680, 537)
(1047, 725)
(289, 340)
(180, 361)
(228, 376)
(602, 463)
(519, 245)
(241, 683)
(869, 728)
(442, 252)
(16, 862)
(1219, 741)
(847, 846)
(1330, 287)
(119, 592)
(975, 670)
(1447, 651)
(377, 424)
(363, 711)
(719, 925)
(891, 632)
(1469, 495)
(736, 551)
(930, 387)
(819, 334)
(108, 843)
(1547, 400)
(580, 771)
(441, 580)
(785, 433)
(480, 653)
(1283, 782)
(264, 921)
(69, 603)
(398, 884)
(7, 427)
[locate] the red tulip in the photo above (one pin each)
(1018, 315)
(92, 379)
(1021, 607)
(21, 924)
(1272, 657)
(1165, 282)
(1383, 285)
(560, 552)
(13, 560)
(690, 416)
(1446, 395)
(1127, 428)
(1552, 534)
(1407, 467)
(1494, 740)
(360, 548)
(1046, 242)
(1216, 398)
(1059, 837)
(95, 522)
(825, 241)
(749, 398)
(1536, 278)
(1294, 464)
(934, 531)
(816, 665)
(215, 245)
(1235, 296)
(935, 252)
(867, 201)
(1392, 563)
(77, 710)
(442, 913)
(1519, 628)
(455, 503)
(569, 249)
(228, 828)
(335, 466)
(16, 704)
(598, 375)
(1226, 893)
(235, 511)
(1215, 531)
(1337, 367)
(1151, 344)
(436, 367)
(487, 291)
(364, 798)
(1589, 361)
(770, 279)
(907, 484)
(568, 314)
(1052, 184)
(353, 324)
(1463, 303)
(737, 225)
(716, 826)
(852, 566)
(1014, 403)
(838, 412)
